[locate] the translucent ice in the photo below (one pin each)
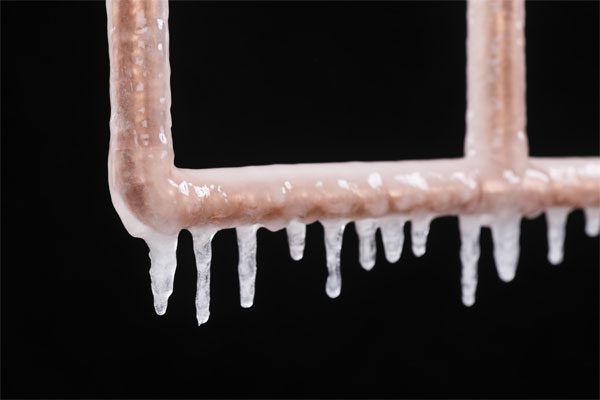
(246, 238)
(592, 221)
(367, 247)
(392, 234)
(556, 219)
(203, 253)
(506, 232)
(420, 231)
(296, 233)
(163, 262)
(470, 229)
(334, 233)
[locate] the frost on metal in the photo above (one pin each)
(494, 185)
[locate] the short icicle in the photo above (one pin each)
(334, 234)
(470, 228)
(392, 235)
(296, 233)
(367, 247)
(203, 253)
(163, 258)
(592, 221)
(556, 220)
(419, 234)
(246, 238)
(506, 232)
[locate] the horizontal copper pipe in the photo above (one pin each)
(151, 194)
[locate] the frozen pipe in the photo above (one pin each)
(494, 184)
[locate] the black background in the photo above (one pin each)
(261, 83)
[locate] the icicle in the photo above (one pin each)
(163, 259)
(556, 219)
(246, 238)
(392, 235)
(296, 233)
(334, 233)
(203, 252)
(506, 230)
(592, 221)
(470, 228)
(420, 231)
(367, 247)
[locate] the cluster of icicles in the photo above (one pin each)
(505, 230)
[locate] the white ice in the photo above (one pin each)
(246, 238)
(470, 228)
(296, 233)
(420, 232)
(334, 233)
(556, 219)
(203, 252)
(506, 232)
(592, 221)
(392, 235)
(367, 247)
(163, 262)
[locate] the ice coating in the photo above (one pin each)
(246, 238)
(494, 185)
(556, 219)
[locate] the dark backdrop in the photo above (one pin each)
(261, 83)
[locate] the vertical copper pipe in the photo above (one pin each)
(496, 112)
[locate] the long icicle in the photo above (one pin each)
(246, 238)
(203, 253)
(334, 234)
(470, 228)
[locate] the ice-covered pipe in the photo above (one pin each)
(494, 185)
